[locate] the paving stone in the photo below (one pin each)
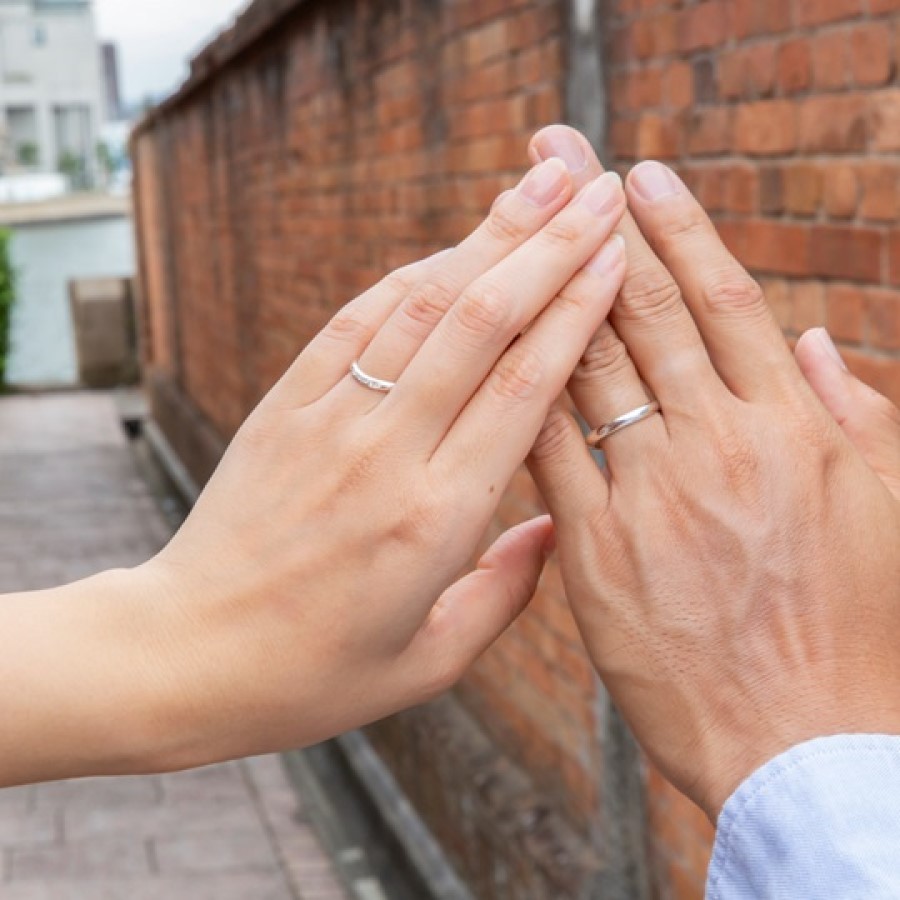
(107, 857)
(72, 503)
(247, 849)
(23, 828)
(228, 887)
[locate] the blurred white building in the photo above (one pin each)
(51, 89)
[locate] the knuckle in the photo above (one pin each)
(687, 225)
(518, 374)
(401, 281)
(348, 324)
(417, 520)
(606, 355)
(649, 296)
(428, 303)
(573, 299)
(738, 460)
(485, 309)
(562, 232)
(503, 226)
(554, 437)
(734, 294)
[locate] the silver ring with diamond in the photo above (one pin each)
(367, 381)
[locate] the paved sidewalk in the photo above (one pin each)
(72, 503)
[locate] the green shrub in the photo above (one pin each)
(7, 297)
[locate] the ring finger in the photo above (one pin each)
(606, 385)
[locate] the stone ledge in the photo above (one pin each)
(250, 26)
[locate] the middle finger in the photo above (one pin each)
(649, 316)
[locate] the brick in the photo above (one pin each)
(706, 89)
(707, 184)
(894, 257)
(880, 191)
(794, 66)
(664, 28)
(759, 69)
(818, 12)
(830, 60)
(771, 190)
(842, 190)
(742, 189)
(871, 60)
(749, 71)
(678, 85)
(656, 137)
(854, 254)
(803, 188)
(883, 314)
(845, 312)
(731, 74)
(754, 17)
(884, 111)
(646, 88)
(702, 26)
(624, 138)
(766, 128)
(776, 247)
(807, 305)
(833, 124)
(881, 6)
(709, 131)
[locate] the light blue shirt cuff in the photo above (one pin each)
(819, 822)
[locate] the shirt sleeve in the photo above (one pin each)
(820, 821)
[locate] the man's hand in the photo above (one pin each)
(736, 570)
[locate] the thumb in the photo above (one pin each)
(869, 419)
(475, 611)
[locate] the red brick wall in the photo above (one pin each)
(784, 115)
(352, 138)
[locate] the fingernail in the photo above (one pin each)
(604, 194)
(827, 345)
(544, 183)
(654, 181)
(609, 257)
(563, 144)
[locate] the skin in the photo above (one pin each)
(734, 571)
(315, 587)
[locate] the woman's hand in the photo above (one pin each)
(312, 588)
(736, 570)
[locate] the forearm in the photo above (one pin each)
(78, 693)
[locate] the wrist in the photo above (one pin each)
(81, 676)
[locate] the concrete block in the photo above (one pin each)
(105, 337)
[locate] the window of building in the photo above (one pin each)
(21, 125)
(40, 36)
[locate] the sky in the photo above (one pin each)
(157, 38)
